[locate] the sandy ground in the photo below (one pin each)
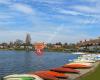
(82, 72)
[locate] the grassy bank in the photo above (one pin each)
(93, 75)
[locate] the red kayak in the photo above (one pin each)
(46, 76)
(51, 73)
(64, 70)
(76, 65)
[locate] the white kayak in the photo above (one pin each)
(78, 53)
(22, 77)
(87, 64)
(84, 61)
(81, 63)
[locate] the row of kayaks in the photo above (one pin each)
(88, 58)
(83, 62)
(52, 74)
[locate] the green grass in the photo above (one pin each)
(94, 75)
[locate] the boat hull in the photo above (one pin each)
(51, 73)
(65, 70)
(77, 65)
(22, 77)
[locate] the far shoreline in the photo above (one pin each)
(48, 51)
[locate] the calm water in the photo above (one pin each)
(23, 62)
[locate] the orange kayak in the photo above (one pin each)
(52, 73)
(77, 66)
(64, 70)
(46, 76)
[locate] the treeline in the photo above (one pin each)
(21, 45)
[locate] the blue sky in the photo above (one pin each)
(49, 20)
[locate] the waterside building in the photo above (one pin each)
(90, 45)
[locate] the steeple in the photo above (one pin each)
(28, 39)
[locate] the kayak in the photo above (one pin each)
(84, 60)
(52, 73)
(77, 65)
(78, 53)
(83, 63)
(65, 70)
(45, 76)
(22, 77)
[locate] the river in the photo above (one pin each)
(13, 62)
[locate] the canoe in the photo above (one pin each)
(22, 77)
(78, 53)
(83, 63)
(84, 60)
(47, 77)
(64, 70)
(77, 65)
(52, 73)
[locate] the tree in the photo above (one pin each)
(59, 43)
(49, 45)
(11, 44)
(28, 39)
(18, 43)
(65, 45)
(5, 45)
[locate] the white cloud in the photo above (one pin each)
(74, 12)
(7, 35)
(89, 18)
(71, 38)
(59, 34)
(88, 0)
(2, 16)
(55, 33)
(86, 21)
(50, 1)
(69, 12)
(12, 35)
(5, 1)
(23, 8)
(86, 9)
(69, 35)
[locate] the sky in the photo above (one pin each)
(49, 20)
